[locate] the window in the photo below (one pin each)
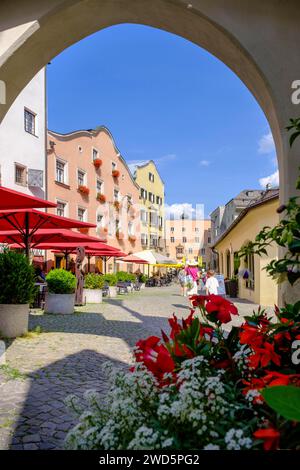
(61, 208)
(144, 239)
(150, 197)
(172, 239)
(116, 195)
(160, 221)
(197, 229)
(190, 251)
(143, 193)
(100, 220)
(209, 240)
(20, 174)
(80, 177)
(144, 216)
(29, 121)
(113, 166)
(172, 229)
(250, 282)
(100, 187)
(60, 171)
(151, 177)
(202, 251)
(179, 250)
(130, 228)
(158, 200)
(81, 214)
(153, 240)
(197, 240)
(95, 154)
(153, 219)
(183, 239)
(183, 229)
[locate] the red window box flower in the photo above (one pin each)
(117, 205)
(116, 173)
(84, 190)
(84, 230)
(132, 238)
(97, 163)
(101, 197)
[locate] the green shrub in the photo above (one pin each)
(111, 279)
(123, 276)
(16, 279)
(93, 281)
(61, 282)
(143, 278)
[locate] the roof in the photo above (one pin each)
(93, 133)
(142, 164)
(268, 195)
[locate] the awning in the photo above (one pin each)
(133, 259)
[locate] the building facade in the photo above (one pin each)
(90, 181)
(23, 140)
(256, 286)
(189, 239)
(152, 199)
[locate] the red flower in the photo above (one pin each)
(222, 308)
(277, 378)
(198, 300)
(175, 327)
(263, 356)
(97, 162)
(155, 357)
(251, 335)
(270, 436)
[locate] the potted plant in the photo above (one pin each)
(84, 190)
(117, 205)
(17, 292)
(101, 197)
(132, 238)
(60, 297)
(84, 230)
(142, 280)
(116, 173)
(97, 163)
(92, 292)
(111, 280)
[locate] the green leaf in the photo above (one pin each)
(285, 400)
(294, 137)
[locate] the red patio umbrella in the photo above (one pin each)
(104, 253)
(45, 239)
(134, 259)
(27, 221)
(10, 199)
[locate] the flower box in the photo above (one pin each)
(117, 205)
(116, 173)
(101, 197)
(84, 190)
(97, 163)
(84, 230)
(119, 235)
(132, 238)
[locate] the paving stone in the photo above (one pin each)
(31, 438)
(30, 447)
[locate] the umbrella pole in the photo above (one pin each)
(105, 264)
(67, 260)
(89, 263)
(27, 235)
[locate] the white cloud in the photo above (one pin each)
(178, 209)
(204, 163)
(266, 144)
(165, 158)
(272, 180)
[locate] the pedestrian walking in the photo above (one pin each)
(212, 284)
(182, 281)
(192, 274)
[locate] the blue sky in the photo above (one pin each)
(166, 99)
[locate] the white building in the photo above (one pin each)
(23, 139)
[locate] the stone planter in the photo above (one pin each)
(112, 291)
(142, 285)
(13, 319)
(92, 296)
(59, 303)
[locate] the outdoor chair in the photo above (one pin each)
(122, 288)
(105, 290)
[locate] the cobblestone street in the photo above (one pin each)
(66, 358)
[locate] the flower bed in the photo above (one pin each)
(200, 387)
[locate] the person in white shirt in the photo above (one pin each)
(211, 285)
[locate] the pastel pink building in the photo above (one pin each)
(90, 181)
(189, 239)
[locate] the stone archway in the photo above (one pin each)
(257, 40)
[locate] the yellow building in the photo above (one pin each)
(258, 287)
(152, 198)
